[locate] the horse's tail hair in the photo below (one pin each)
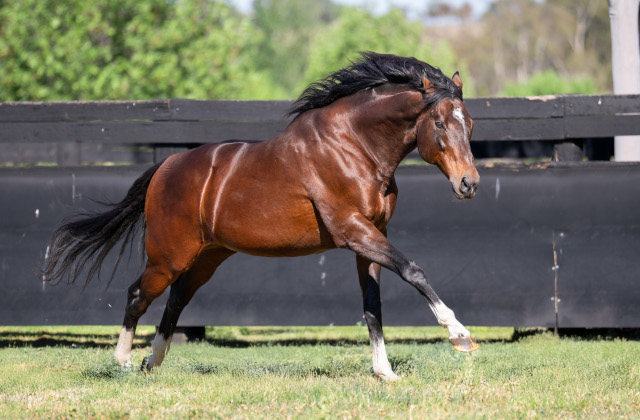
(85, 239)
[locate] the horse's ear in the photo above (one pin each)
(457, 80)
(427, 85)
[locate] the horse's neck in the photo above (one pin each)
(385, 125)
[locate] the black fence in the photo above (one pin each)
(536, 234)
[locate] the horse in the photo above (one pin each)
(325, 182)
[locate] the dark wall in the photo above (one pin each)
(491, 259)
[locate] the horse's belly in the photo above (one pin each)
(269, 226)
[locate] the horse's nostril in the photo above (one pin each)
(464, 185)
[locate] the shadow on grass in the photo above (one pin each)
(63, 339)
(585, 334)
(38, 339)
(108, 341)
(234, 343)
(599, 334)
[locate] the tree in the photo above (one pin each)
(118, 49)
(356, 30)
(588, 38)
(516, 39)
(550, 83)
(288, 28)
(444, 9)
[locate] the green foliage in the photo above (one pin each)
(201, 49)
(550, 83)
(206, 49)
(52, 50)
(356, 30)
(287, 29)
(523, 37)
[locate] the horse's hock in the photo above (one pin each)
(538, 242)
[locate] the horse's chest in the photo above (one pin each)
(379, 209)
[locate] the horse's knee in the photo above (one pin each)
(133, 292)
(413, 274)
(140, 296)
(135, 308)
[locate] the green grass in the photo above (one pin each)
(309, 372)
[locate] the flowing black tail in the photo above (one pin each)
(84, 240)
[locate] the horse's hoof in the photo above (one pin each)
(144, 367)
(388, 377)
(464, 344)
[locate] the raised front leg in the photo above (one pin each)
(369, 243)
(369, 276)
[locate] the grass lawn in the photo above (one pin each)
(317, 372)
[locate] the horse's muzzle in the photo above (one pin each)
(467, 188)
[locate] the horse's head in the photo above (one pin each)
(443, 134)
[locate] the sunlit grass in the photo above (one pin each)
(319, 372)
(345, 334)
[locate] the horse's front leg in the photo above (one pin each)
(368, 242)
(369, 276)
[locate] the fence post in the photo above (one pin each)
(625, 63)
(568, 151)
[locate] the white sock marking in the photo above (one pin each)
(447, 318)
(381, 365)
(159, 347)
(123, 349)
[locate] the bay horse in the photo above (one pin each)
(325, 182)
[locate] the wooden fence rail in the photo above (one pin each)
(179, 121)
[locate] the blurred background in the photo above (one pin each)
(271, 49)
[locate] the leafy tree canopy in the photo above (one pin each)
(206, 49)
(550, 83)
(356, 30)
(117, 49)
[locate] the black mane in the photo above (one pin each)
(372, 70)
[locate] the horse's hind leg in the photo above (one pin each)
(369, 276)
(151, 284)
(125, 341)
(181, 293)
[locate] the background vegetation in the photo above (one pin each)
(207, 49)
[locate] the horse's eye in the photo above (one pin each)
(439, 124)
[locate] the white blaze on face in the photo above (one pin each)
(459, 115)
